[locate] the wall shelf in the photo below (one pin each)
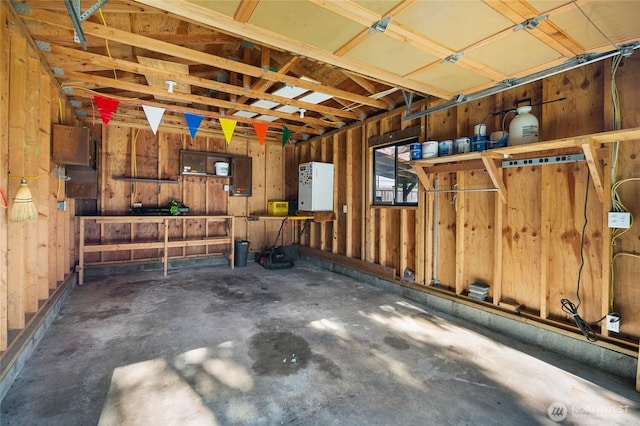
(203, 164)
(156, 237)
(490, 159)
(135, 179)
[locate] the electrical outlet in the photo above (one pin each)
(613, 323)
(226, 188)
(619, 220)
(344, 208)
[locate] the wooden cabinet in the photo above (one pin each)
(241, 170)
(73, 146)
(237, 169)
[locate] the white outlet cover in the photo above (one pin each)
(613, 323)
(621, 220)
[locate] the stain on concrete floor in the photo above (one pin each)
(279, 353)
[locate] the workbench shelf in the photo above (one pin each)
(134, 239)
(491, 160)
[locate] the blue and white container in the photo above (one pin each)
(445, 148)
(416, 151)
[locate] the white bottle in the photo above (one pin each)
(524, 127)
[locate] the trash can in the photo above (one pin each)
(241, 253)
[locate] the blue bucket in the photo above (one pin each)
(416, 151)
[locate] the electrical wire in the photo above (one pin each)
(106, 42)
(567, 305)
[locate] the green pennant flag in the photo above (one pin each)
(286, 135)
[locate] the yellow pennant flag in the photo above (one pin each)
(227, 128)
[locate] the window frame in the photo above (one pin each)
(402, 138)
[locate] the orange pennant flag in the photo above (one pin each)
(227, 128)
(261, 131)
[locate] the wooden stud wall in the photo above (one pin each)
(528, 250)
(35, 256)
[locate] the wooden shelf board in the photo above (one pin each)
(150, 180)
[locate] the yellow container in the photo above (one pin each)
(278, 208)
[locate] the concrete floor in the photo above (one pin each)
(212, 345)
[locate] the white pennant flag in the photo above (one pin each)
(154, 116)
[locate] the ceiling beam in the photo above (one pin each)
(130, 113)
(135, 40)
(245, 10)
(225, 23)
(183, 97)
(59, 53)
(547, 32)
(359, 14)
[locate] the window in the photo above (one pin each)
(394, 180)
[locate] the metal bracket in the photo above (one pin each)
(57, 71)
(45, 46)
(381, 25)
(21, 8)
(408, 100)
(530, 23)
(452, 58)
(73, 7)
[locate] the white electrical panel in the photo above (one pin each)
(315, 187)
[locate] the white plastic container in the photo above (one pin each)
(524, 127)
(222, 169)
(462, 145)
(429, 149)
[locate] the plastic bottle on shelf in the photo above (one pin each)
(524, 127)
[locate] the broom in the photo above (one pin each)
(23, 209)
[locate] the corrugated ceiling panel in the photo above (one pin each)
(450, 77)
(291, 18)
(390, 54)
(517, 52)
(454, 24)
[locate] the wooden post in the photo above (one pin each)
(81, 243)
(460, 230)
(165, 256)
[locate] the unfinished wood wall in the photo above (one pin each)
(132, 152)
(35, 257)
(529, 249)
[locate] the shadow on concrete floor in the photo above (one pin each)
(252, 346)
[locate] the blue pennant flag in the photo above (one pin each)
(193, 121)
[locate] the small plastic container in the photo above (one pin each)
(222, 168)
(479, 143)
(462, 145)
(429, 149)
(416, 151)
(445, 148)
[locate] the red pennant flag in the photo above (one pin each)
(261, 131)
(107, 107)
